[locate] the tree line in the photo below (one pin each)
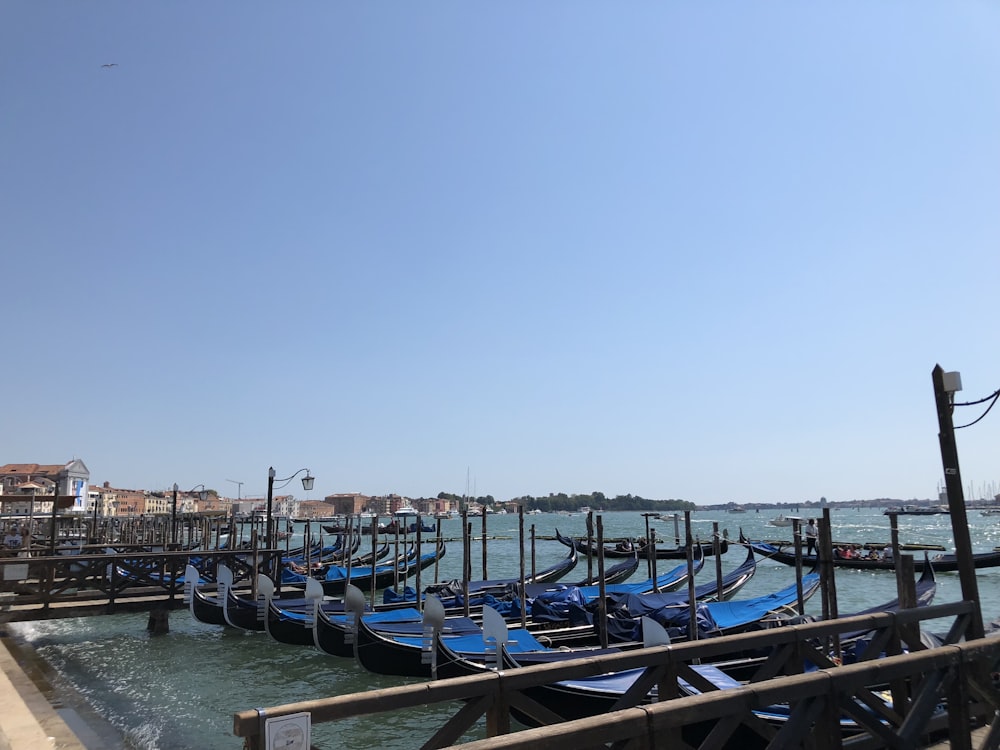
(560, 501)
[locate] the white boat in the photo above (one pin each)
(407, 510)
(783, 520)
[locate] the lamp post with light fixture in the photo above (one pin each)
(173, 510)
(307, 485)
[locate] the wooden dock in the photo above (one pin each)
(955, 675)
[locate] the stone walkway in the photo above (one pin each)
(27, 720)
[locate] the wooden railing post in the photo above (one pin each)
(498, 714)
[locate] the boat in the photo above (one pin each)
(670, 581)
(783, 520)
(917, 510)
(493, 585)
(398, 648)
(618, 573)
(625, 608)
(627, 549)
(942, 562)
(337, 577)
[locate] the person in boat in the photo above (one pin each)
(625, 545)
(812, 534)
(12, 539)
(887, 553)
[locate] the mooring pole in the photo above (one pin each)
(533, 537)
(520, 544)
(797, 543)
(956, 498)
(828, 576)
(590, 545)
(692, 599)
(717, 551)
(602, 607)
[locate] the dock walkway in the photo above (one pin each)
(28, 720)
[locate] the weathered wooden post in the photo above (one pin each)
(485, 567)
(602, 590)
(416, 574)
(437, 558)
(466, 560)
(692, 599)
(533, 538)
(828, 576)
(651, 550)
(649, 560)
(946, 384)
(159, 621)
(590, 545)
(717, 551)
(523, 593)
(797, 543)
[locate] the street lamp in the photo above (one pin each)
(307, 485)
(173, 510)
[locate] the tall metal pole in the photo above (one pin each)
(956, 502)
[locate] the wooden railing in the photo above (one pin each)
(917, 681)
(32, 587)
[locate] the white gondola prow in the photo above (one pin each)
(265, 587)
(494, 629)
(433, 621)
(654, 634)
(314, 592)
(354, 604)
(314, 589)
(224, 577)
(190, 581)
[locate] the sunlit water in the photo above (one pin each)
(181, 690)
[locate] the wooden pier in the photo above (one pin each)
(73, 585)
(919, 680)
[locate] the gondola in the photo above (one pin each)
(618, 573)
(292, 623)
(495, 585)
(333, 633)
(335, 582)
(626, 608)
(670, 581)
(399, 648)
(943, 562)
(662, 553)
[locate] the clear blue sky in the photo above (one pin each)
(708, 251)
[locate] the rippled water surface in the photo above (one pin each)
(182, 689)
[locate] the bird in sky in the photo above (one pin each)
(110, 65)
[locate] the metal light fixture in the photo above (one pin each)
(307, 484)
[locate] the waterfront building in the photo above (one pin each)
(20, 484)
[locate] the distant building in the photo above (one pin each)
(27, 481)
(315, 509)
(349, 504)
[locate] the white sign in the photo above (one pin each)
(15, 572)
(288, 732)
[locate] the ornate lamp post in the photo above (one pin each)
(173, 510)
(307, 485)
